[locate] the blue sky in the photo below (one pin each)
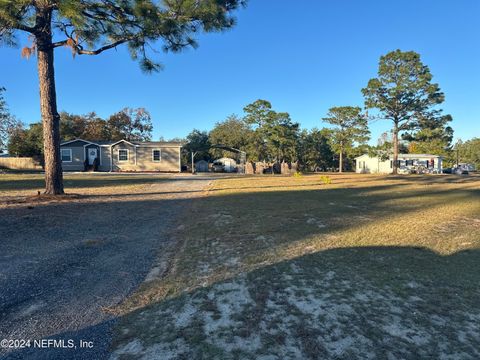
(304, 56)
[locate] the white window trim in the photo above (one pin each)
(128, 155)
(71, 156)
(153, 158)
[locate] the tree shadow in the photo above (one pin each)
(436, 179)
(88, 180)
(53, 239)
(387, 302)
(384, 302)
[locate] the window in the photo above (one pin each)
(122, 155)
(156, 155)
(66, 155)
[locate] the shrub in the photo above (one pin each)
(325, 180)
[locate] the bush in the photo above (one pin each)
(325, 180)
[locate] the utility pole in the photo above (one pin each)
(457, 146)
(193, 164)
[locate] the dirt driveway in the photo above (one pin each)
(63, 265)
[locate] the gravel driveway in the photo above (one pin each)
(63, 264)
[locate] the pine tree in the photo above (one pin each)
(404, 93)
(351, 127)
(92, 27)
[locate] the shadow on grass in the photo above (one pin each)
(351, 303)
(71, 182)
(436, 179)
(378, 286)
(35, 181)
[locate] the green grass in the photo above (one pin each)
(292, 267)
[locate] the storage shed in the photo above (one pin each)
(201, 166)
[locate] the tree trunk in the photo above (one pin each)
(48, 106)
(395, 149)
(340, 160)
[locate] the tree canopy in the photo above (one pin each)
(232, 132)
(275, 135)
(404, 93)
(198, 142)
(350, 128)
(92, 27)
(129, 124)
(433, 136)
(7, 122)
(469, 152)
(314, 151)
(26, 142)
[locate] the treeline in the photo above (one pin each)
(467, 152)
(271, 136)
(403, 94)
(129, 124)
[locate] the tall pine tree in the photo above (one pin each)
(404, 94)
(91, 27)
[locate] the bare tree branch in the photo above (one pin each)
(81, 51)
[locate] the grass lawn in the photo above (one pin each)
(287, 268)
(17, 186)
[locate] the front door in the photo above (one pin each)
(92, 155)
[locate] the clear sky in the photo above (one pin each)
(304, 56)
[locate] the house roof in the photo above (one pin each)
(157, 143)
(133, 143)
(408, 156)
(419, 156)
(74, 140)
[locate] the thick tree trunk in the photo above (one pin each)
(395, 149)
(48, 109)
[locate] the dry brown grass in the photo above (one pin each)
(372, 243)
(250, 222)
(25, 187)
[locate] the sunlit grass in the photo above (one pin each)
(293, 267)
(250, 222)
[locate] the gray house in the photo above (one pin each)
(123, 155)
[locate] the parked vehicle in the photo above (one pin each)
(218, 167)
(447, 171)
(460, 171)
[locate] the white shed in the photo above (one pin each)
(366, 164)
(229, 165)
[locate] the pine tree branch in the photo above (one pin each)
(79, 50)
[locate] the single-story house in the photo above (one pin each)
(366, 164)
(123, 155)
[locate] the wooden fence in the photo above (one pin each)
(20, 163)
